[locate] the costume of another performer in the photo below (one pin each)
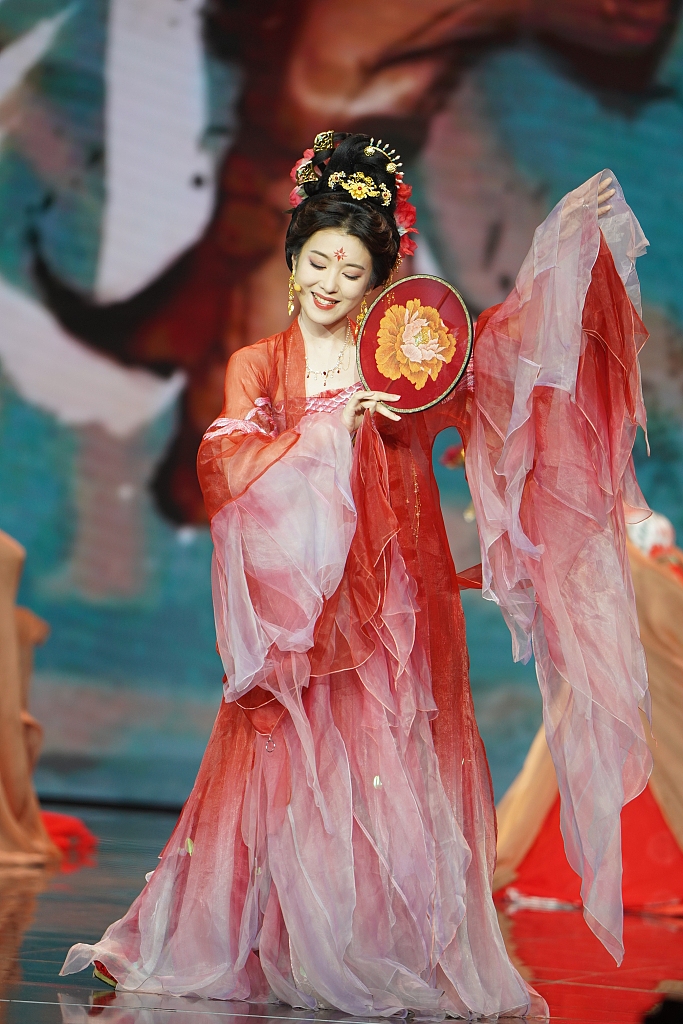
(338, 846)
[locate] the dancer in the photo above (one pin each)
(338, 846)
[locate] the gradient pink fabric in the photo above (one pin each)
(337, 849)
(557, 403)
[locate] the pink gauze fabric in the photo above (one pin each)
(549, 466)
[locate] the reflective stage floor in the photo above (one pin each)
(41, 916)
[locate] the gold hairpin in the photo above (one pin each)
(393, 158)
(306, 173)
(323, 141)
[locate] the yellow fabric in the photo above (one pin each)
(523, 810)
(659, 600)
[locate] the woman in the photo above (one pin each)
(338, 846)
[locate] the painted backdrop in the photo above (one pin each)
(144, 155)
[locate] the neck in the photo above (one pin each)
(319, 334)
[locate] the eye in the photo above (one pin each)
(350, 278)
(317, 266)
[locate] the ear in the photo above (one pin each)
(294, 263)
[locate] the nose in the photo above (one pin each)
(329, 282)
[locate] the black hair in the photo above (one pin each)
(368, 219)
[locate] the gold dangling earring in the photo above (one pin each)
(362, 313)
(293, 287)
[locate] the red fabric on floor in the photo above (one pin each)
(653, 861)
(72, 837)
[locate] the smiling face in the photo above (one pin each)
(334, 271)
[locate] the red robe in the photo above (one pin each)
(339, 843)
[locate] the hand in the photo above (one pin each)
(366, 401)
(604, 196)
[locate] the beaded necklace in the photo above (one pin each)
(337, 366)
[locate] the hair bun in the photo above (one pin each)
(356, 166)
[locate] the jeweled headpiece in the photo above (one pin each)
(311, 175)
(393, 158)
(360, 186)
(323, 141)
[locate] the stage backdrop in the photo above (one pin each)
(144, 153)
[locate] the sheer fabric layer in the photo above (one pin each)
(355, 824)
(353, 860)
(557, 401)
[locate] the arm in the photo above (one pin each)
(242, 443)
(282, 519)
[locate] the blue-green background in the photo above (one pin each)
(162, 642)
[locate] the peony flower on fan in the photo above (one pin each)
(418, 344)
(413, 342)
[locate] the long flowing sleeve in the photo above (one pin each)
(282, 522)
(556, 404)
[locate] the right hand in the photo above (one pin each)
(367, 401)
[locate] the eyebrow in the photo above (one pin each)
(326, 257)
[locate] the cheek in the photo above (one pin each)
(307, 274)
(356, 289)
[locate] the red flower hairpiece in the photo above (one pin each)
(405, 216)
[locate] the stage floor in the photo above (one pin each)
(554, 950)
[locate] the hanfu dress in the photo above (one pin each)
(338, 846)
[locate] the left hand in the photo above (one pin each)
(605, 193)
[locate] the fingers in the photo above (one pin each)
(383, 411)
(604, 194)
(379, 396)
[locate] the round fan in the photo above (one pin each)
(415, 342)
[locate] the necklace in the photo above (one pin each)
(337, 366)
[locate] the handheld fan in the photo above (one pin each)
(415, 341)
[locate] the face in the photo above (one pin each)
(334, 271)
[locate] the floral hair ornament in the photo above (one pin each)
(360, 186)
(415, 341)
(304, 171)
(405, 216)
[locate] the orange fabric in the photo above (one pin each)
(23, 839)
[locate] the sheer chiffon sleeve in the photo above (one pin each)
(280, 551)
(282, 518)
(282, 521)
(555, 405)
(244, 441)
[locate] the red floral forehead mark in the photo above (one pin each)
(340, 254)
